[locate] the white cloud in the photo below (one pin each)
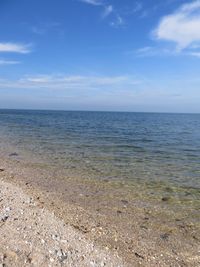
(92, 2)
(15, 48)
(108, 10)
(138, 7)
(150, 51)
(145, 50)
(44, 28)
(65, 82)
(194, 54)
(118, 22)
(8, 62)
(181, 27)
(38, 30)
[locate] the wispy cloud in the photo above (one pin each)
(194, 54)
(107, 11)
(44, 28)
(181, 27)
(96, 92)
(92, 2)
(8, 62)
(117, 20)
(66, 82)
(146, 51)
(38, 30)
(150, 51)
(15, 48)
(179, 33)
(138, 7)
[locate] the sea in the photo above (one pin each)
(149, 149)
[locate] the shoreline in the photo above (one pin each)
(148, 239)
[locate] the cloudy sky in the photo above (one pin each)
(128, 55)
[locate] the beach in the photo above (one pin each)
(122, 189)
(100, 133)
(41, 228)
(33, 236)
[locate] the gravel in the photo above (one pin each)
(33, 236)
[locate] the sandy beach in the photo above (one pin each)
(33, 236)
(100, 133)
(41, 228)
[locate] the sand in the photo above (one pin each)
(40, 225)
(33, 236)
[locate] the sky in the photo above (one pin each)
(112, 55)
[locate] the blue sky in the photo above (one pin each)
(100, 55)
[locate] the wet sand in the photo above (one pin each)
(129, 227)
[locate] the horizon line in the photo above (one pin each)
(106, 111)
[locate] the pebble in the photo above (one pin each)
(55, 237)
(13, 154)
(139, 256)
(7, 209)
(165, 198)
(92, 263)
(4, 218)
(64, 241)
(164, 236)
(124, 201)
(30, 201)
(59, 253)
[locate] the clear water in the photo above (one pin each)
(141, 147)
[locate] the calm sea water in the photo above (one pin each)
(142, 147)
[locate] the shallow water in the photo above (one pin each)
(154, 150)
(129, 181)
